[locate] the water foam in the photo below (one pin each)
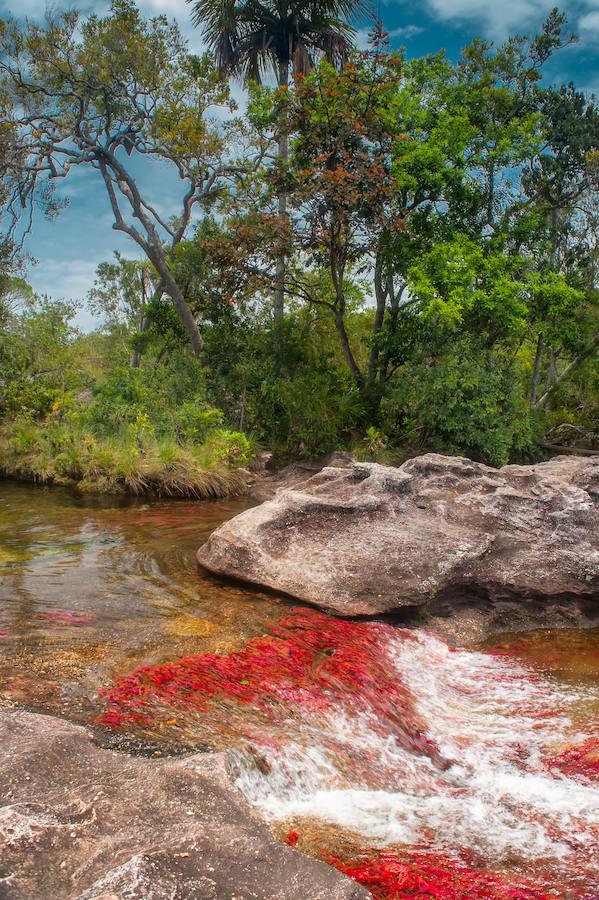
(494, 723)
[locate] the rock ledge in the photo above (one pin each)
(81, 823)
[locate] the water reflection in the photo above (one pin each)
(90, 587)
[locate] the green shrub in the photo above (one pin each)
(66, 454)
(465, 404)
(195, 421)
(233, 448)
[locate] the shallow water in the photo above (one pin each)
(420, 769)
(92, 586)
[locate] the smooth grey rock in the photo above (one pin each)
(438, 538)
(77, 821)
(266, 487)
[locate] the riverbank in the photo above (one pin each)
(53, 454)
(403, 762)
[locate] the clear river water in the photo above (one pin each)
(419, 769)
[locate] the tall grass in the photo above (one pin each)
(65, 454)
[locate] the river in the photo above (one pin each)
(418, 768)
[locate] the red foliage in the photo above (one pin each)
(395, 876)
(582, 759)
(292, 838)
(64, 617)
(309, 661)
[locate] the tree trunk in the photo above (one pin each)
(551, 369)
(491, 197)
(283, 151)
(379, 317)
(151, 244)
(395, 298)
(536, 371)
(347, 350)
(136, 356)
(179, 302)
(572, 365)
(146, 284)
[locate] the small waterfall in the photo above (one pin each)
(398, 740)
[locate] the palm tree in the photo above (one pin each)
(253, 37)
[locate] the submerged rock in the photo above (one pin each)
(466, 548)
(80, 822)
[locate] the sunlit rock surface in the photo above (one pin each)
(80, 822)
(467, 548)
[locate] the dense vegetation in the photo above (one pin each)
(381, 253)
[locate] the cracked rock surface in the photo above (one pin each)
(77, 821)
(464, 548)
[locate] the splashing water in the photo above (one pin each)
(396, 738)
(418, 770)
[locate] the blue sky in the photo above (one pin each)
(68, 249)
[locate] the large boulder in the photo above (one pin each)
(77, 821)
(437, 539)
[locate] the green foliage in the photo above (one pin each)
(109, 88)
(296, 404)
(66, 454)
(249, 39)
(435, 225)
(374, 447)
(195, 421)
(71, 417)
(464, 404)
(38, 358)
(231, 447)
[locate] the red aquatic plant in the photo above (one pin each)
(398, 875)
(64, 617)
(309, 661)
(580, 760)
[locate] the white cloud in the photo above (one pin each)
(404, 33)
(589, 23)
(498, 19)
(177, 9)
(69, 279)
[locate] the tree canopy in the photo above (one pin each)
(102, 93)
(432, 225)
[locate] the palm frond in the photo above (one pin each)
(335, 45)
(251, 37)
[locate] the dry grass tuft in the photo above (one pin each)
(51, 455)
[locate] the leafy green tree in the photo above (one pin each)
(38, 358)
(499, 89)
(251, 38)
(561, 186)
(375, 148)
(124, 294)
(104, 93)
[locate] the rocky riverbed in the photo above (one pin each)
(167, 735)
(80, 821)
